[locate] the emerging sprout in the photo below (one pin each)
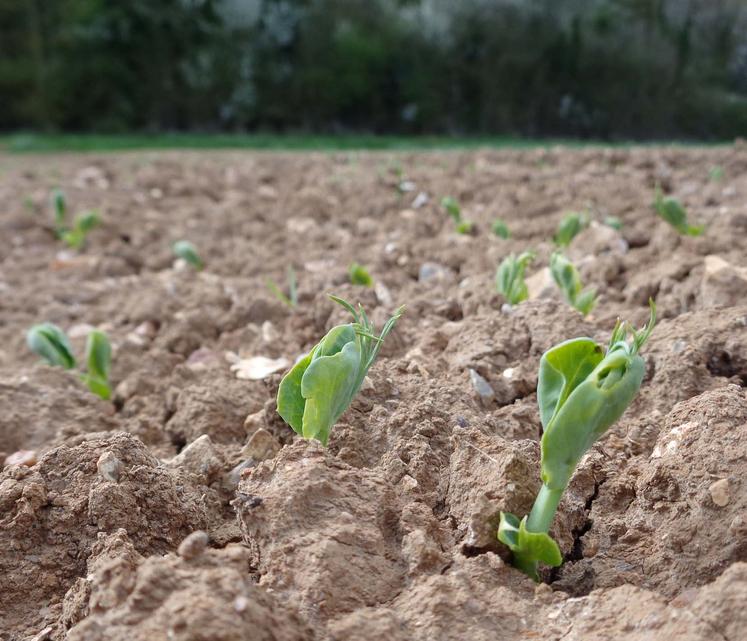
(500, 228)
(188, 252)
(75, 236)
(614, 222)
(321, 386)
(51, 343)
(569, 227)
(567, 279)
(359, 275)
(59, 207)
(671, 210)
(98, 364)
(461, 225)
(509, 279)
(292, 298)
(452, 208)
(716, 173)
(582, 391)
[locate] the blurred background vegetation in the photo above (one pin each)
(609, 69)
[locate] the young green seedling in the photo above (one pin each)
(671, 210)
(188, 252)
(321, 386)
(461, 225)
(75, 236)
(292, 298)
(582, 391)
(98, 364)
(359, 275)
(82, 225)
(51, 343)
(59, 207)
(716, 173)
(567, 279)
(452, 208)
(614, 222)
(569, 227)
(500, 228)
(509, 279)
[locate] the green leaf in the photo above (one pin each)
(51, 343)
(568, 280)
(290, 401)
(321, 386)
(86, 221)
(59, 207)
(98, 386)
(671, 210)
(509, 279)
(561, 370)
(464, 227)
(98, 363)
(452, 208)
(329, 385)
(359, 275)
(500, 228)
(529, 548)
(590, 408)
(569, 228)
(614, 222)
(187, 251)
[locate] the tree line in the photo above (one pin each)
(582, 68)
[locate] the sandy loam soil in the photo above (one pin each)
(186, 509)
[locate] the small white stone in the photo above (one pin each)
(256, 368)
(719, 491)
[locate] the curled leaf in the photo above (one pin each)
(51, 343)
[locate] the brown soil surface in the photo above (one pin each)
(186, 509)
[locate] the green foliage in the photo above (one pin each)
(59, 208)
(75, 236)
(359, 275)
(582, 391)
(321, 386)
(499, 228)
(569, 228)
(716, 173)
(452, 208)
(509, 279)
(98, 364)
(568, 280)
(464, 227)
(188, 252)
(461, 225)
(291, 300)
(614, 222)
(51, 343)
(671, 210)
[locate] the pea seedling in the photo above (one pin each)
(292, 298)
(500, 228)
(321, 386)
(359, 275)
(461, 225)
(84, 222)
(567, 279)
(614, 222)
(569, 228)
(671, 210)
(582, 391)
(188, 252)
(51, 343)
(509, 279)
